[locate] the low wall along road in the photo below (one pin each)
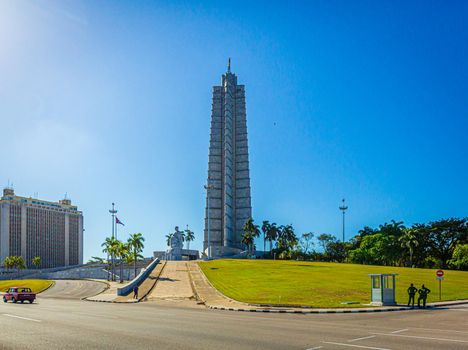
(144, 273)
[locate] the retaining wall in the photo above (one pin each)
(144, 273)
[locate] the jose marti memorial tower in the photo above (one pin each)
(228, 200)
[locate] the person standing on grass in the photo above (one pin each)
(411, 293)
(423, 292)
(135, 292)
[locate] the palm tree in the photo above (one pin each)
(272, 234)
(252, 232)
(8, 262)
(36, 261)
(110, 247)
(128, 260)
(189, 237)
(409, 240)
(169, 238)
(287, 238)
(265, 228)
(247, 239)
(107, 249)
(96, 260)
(136, 246)
(122, 251)
(18, 262)
(114, 252)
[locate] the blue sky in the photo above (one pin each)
(110, 101)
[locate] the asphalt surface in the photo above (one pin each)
(54, 323)
(73, 289)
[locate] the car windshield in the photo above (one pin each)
(25, 290)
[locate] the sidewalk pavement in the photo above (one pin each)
(110, 295)
(213, 299)
(174, 283)
(107, 295)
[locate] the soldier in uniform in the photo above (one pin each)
(411, 293)
(423, 292)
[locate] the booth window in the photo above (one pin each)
(375, 282)
(388, 282)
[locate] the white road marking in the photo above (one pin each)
(316, 348)
(354, 345)
(439, 330)
(23, 318)
(466, 310)
(399, 331)
(419, 337)
(369, 337)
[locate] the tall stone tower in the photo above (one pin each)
(228, 201)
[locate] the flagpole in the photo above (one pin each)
(113, 212)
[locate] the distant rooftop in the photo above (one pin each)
(9, 195)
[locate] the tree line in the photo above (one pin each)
(18, 263)
(437, 244)
(123, 253)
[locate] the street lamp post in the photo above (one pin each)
(343, 208)
(208, 189)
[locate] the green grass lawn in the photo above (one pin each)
(320, 284)
(36, 286)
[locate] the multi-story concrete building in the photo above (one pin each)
(32, 227)
(228, 202)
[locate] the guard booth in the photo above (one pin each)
(383, 289)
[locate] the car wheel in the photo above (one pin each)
(5, 299)
(31, 301)
(13, 300)
(22, 301)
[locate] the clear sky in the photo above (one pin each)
(110, 101)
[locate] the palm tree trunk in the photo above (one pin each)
(264, 244)
(108, 268)
(121, 270)
(134, 262)
(113, 267)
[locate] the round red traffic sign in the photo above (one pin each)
(440, 273)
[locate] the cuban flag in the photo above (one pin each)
(117, 221)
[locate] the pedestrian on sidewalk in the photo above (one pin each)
(423, 292)
(411, 293)
(135, 292)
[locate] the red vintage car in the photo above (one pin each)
(20, 294)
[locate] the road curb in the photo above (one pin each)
(50, 286)
(338, 311)
(448, 303)
(303, 312)
(111, 301)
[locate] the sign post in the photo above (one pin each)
(440, 278)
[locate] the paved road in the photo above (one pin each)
(72, 289)
(73, 324)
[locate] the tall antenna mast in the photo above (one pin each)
(343, 208)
